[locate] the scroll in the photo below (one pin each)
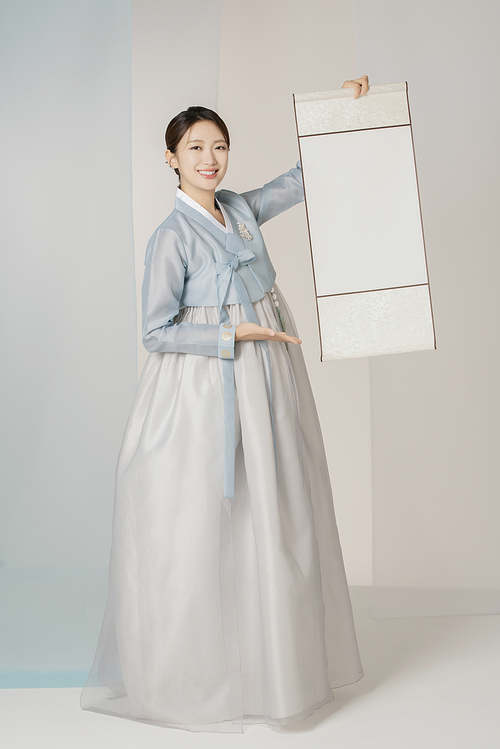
(364, 220)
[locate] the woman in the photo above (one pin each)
(227, 601)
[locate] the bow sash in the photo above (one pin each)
(227, 272)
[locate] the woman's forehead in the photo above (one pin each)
(204, 131)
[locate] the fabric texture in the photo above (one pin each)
(192, 260)
(224, 612)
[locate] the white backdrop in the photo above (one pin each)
(69, 322)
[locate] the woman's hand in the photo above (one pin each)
(360, 86)
(249, 331)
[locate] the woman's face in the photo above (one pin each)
(201, 157)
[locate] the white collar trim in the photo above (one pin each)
(187, 199)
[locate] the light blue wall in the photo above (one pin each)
(68, 324)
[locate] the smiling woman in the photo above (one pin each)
(200, 159)
(228, 602)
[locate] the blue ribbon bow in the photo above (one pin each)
(226, 272)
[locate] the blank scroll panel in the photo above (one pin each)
(365, 226)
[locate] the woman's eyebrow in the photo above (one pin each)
(198, 140)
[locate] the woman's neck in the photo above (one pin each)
(206, 198)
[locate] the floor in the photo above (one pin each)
(430, 683)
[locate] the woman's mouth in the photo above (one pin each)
(208, 173)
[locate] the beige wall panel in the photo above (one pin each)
(436, 414)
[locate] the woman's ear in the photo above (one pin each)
(170, 157)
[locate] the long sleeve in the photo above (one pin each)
(276, 196)
(162, 289)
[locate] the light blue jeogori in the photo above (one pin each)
(191, 262)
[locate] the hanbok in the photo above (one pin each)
(222, 611)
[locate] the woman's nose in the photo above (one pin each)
(209, 157)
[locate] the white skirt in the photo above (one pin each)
(222, 613)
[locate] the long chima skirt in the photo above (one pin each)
(222, 613)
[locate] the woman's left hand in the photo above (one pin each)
(360, 86)
(249, 331)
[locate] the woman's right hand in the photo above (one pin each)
(249, 331)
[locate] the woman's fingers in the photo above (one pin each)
(364, 85)
(249, 331)
(289, 338)
(280, 337)
(363, 81)
(360, 86)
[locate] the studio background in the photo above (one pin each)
(88, 87)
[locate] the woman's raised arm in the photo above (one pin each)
(276, 196)
(287, 190)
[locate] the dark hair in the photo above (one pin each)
(181, 123)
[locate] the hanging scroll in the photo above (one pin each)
(365, 227)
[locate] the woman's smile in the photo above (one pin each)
(208, 174)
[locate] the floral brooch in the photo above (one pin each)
(244, 231)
